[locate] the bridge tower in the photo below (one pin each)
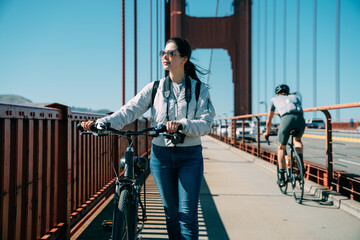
(232, 33)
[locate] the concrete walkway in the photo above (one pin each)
(240, 200)
(251, 206)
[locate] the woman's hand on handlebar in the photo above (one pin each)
(87, 125)
(172, 126)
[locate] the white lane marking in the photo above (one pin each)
(355, 163)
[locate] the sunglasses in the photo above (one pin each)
(170, 54)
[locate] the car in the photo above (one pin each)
(221, 130)
(250, 131)
(273, 130)
(315, 123)
(262, 127)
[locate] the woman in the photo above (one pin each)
(177, 170)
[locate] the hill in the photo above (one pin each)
(16, 99)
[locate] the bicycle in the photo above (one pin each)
(128, 188)
(294, 173)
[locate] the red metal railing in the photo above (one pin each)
(51, 177)
(343, 182)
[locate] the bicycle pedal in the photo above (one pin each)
(107, 225)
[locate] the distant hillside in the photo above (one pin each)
(18, 100)
(15, 99)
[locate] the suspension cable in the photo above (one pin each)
(211, 51)
(123, 50)
(151, 47)
(135, 48)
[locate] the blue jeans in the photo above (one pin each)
(178, 172)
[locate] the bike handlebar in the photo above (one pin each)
(100, 129)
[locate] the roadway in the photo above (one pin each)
(240, 200)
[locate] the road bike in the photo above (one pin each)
(294, 173)
(128, 186)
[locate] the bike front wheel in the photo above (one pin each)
(123, 228)
(297, 179)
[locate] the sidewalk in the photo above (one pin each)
(251, 206)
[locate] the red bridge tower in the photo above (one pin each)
(232, 33)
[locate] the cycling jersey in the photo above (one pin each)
(286, 104)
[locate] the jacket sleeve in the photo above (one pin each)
(128, 113)
(201, 124)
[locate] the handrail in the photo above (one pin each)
(324, 176)
(331, 107)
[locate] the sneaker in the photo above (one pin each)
(281, 182)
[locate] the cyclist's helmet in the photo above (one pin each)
(282, 88)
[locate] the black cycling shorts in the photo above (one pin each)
(290, 122)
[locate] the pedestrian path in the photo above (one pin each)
(240, 200)
(251, 206)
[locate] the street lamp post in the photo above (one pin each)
(265, 103)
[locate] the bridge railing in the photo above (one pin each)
(51, 177)
(343, 182)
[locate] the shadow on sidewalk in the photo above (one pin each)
(214, 226)
(210, 224)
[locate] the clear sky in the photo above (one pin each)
(70, 52)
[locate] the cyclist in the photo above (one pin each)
(177, 170)
(292, 117)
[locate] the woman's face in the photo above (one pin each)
(171, 58)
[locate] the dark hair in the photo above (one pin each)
(184, 49)
(282, 88)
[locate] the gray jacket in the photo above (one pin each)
(198, 123)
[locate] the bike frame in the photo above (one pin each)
(130, 182)
(290, 176)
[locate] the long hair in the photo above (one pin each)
(184, 49)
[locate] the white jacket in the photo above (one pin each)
(193, 127)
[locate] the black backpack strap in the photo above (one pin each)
(167, 92)
(187, 93)
(197, 90)
(167, 87)
(154, 91)
(197, 94)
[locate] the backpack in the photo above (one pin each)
(187, 90)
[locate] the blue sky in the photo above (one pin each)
(70, 51)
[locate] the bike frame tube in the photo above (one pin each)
(129, 163)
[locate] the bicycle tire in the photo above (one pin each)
(123, 224)
(297, 179)
(283, 189)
